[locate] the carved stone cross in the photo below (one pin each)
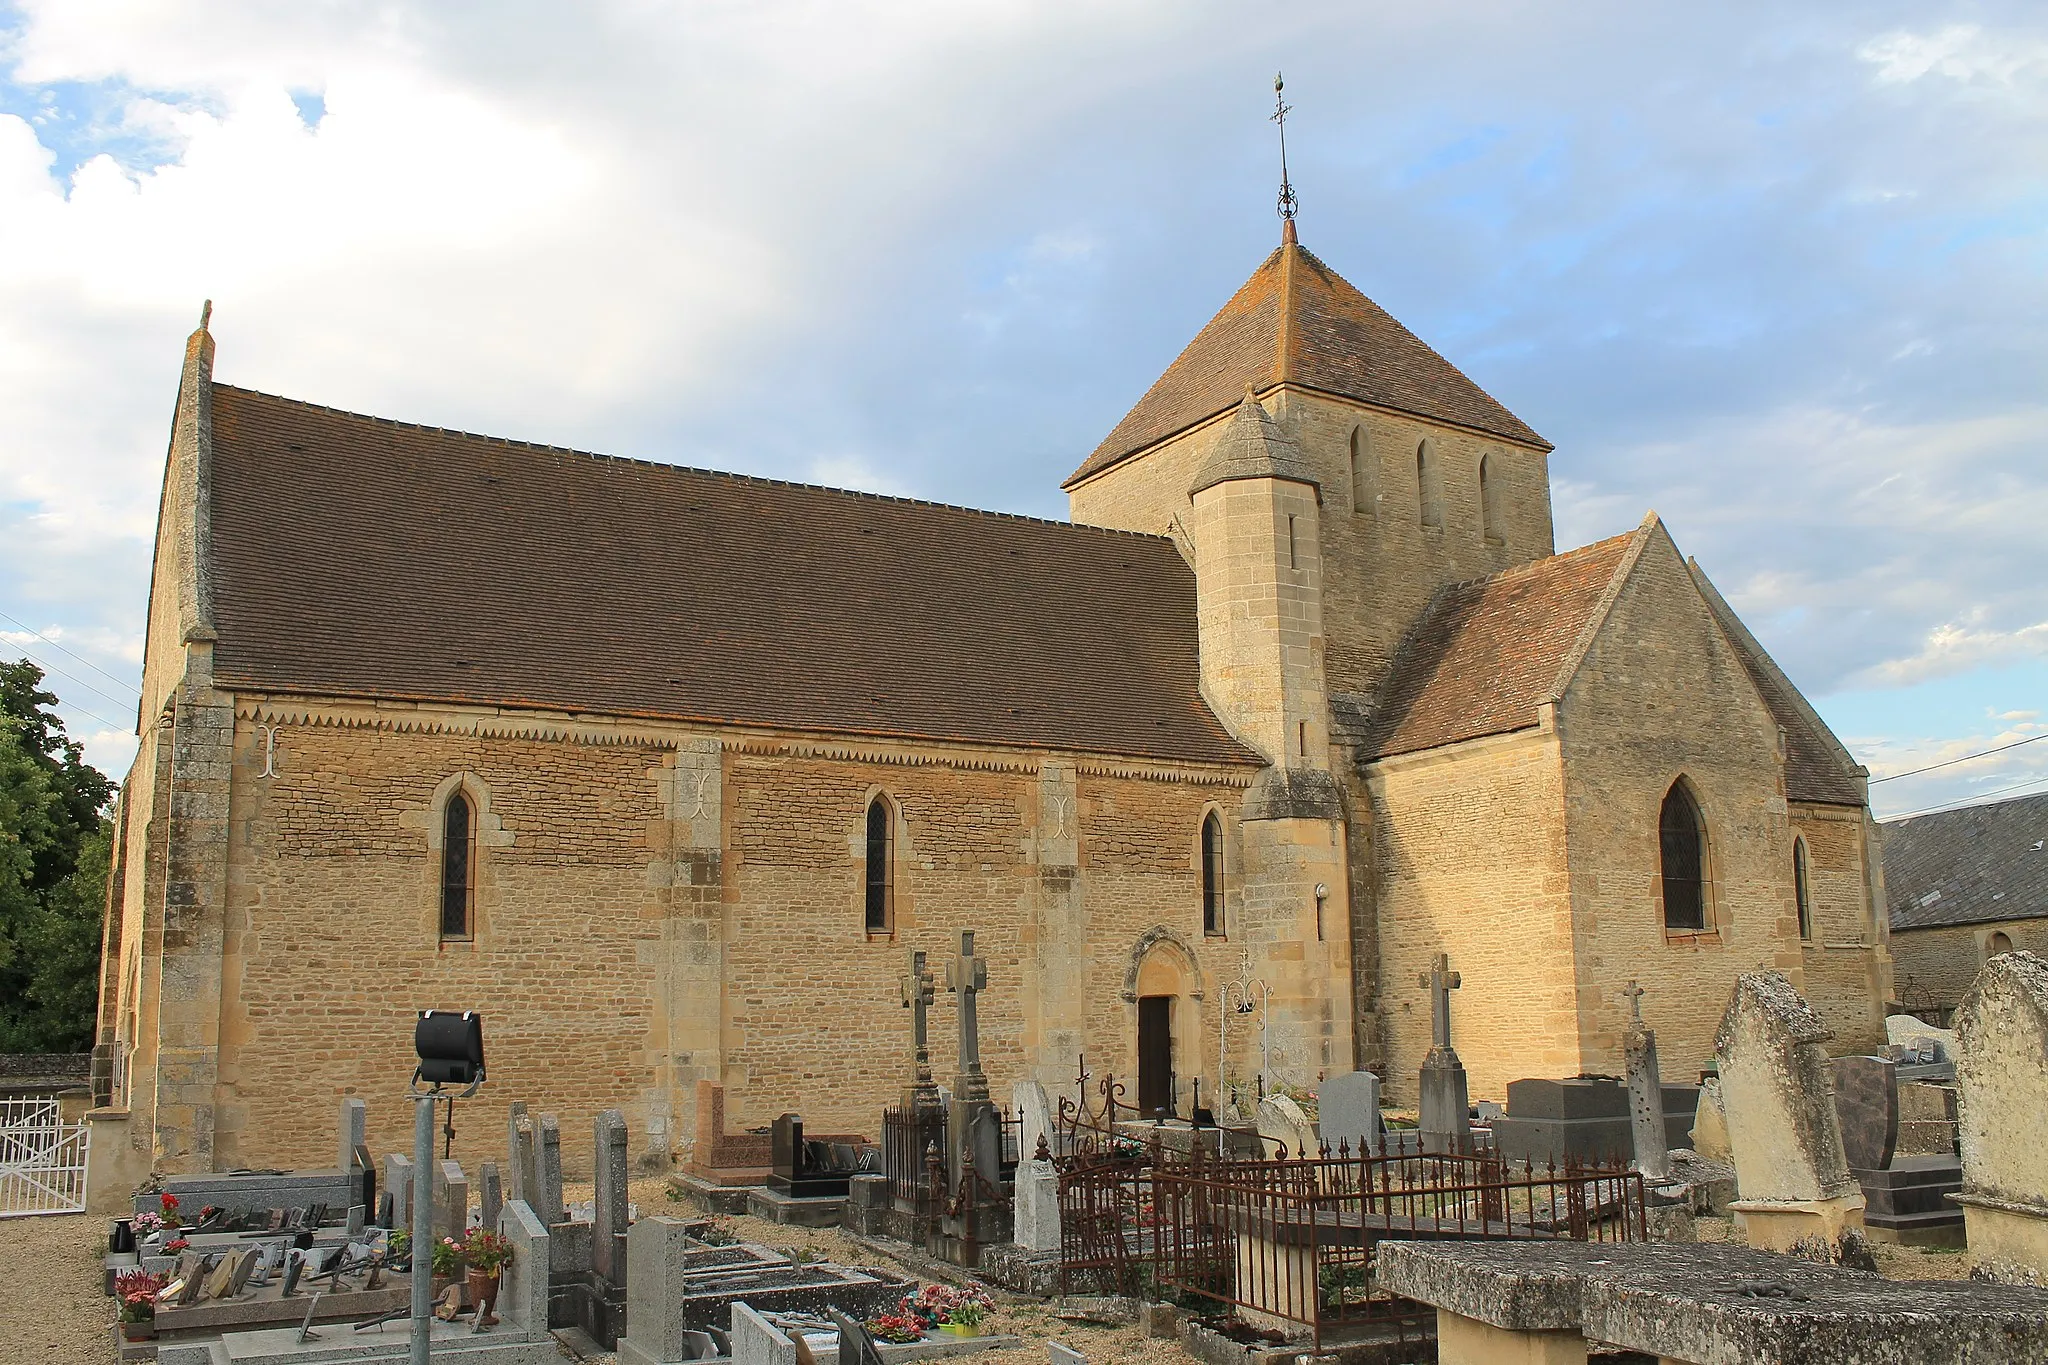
(1635, 1001)
(1441, 981)
(917, 998)
(966, 975)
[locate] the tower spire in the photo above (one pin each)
(1288, 205)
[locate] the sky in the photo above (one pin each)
(1779, 272)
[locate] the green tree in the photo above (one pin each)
(54, 847)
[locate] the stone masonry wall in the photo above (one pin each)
(1936, 966)
(1471, 863)
(1841, 975)
(1660, 695)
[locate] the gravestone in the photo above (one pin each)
(452, 1204)
(608, 1216)
(1283, 1121)
(805, 1168)
(398, 1184)
(1038, 1204)
(518, 1153)
(971, 1123)
(1867, 1107)
(921, 1095)
(1778, 1087)
(1905, 1030)
(354, 1130)
(1446, 1104)
(1035, 1118)
(656, 1267)
(757, 1341)
(1348, 1113)
(1709, 1136)
(547, 1172)
(490, 1195)
(1647, 1128)
(2002, 1076)
(523, 1292)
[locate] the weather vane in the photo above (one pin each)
(1280, 112)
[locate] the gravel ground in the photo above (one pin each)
(54, 1313)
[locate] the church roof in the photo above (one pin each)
(1486, 653)
(1969, 866)
(1296, 321)
(354, 556)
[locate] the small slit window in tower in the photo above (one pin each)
(1429, 485)
(1493, 525)
(880, 881)
(1799, 889)
(1365, 475)
(1302, 742)
(1212, 874)
(1682, 851)
(1293, 548)
(457, 863)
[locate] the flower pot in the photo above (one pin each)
(959, 1329)
(144, 1330)
(483, 1292)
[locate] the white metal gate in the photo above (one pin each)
(42, 1160)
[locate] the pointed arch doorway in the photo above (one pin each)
(1163, 987)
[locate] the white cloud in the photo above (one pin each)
(1963, 53)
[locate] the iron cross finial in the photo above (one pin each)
(1281, 109)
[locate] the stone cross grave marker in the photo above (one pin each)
(608, 1215)
(1645, 1093)
(922, 1094)
(965, 976)
(1446, 1104)
(1777, 1087)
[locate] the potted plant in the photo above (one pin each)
(899, 1328)
(137, 1290)
(965, 1318)
(169, 1202)
(447, 1264)
(398, 1250)
(487, 1254)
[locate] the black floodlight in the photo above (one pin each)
(451, 1047)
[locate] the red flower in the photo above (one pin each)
(169, 1201)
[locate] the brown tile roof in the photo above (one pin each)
(1817, 768)
(1298, 321)
(1969, 866)
(361, 557)
(1486, 653)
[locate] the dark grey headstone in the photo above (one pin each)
(1867, 1105)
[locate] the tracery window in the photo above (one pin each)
(458, 867)
(1799, 889)
(1682, 839)
(1212, 874)
(880, 879)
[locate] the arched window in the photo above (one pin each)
(881, 879)
(458, 865)
(1998, 943)
(1365, 475)
(1682, 837)
(1430, 484)
(1799, 889)
(1212, 874)
(1493, 522)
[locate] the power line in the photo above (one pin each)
(52, 668)
(1972, 799)
(61, 650)
(2030, 739)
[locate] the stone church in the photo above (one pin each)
(665, 770)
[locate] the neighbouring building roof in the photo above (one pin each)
(1296, 321)
(360, 557)
(1969, 866)
(1818, 770)
(1487, 653)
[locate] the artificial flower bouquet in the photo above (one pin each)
(137, 1291)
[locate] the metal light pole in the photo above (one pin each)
(451, 1052)
(422, 1226)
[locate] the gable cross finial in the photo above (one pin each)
(1280, 111)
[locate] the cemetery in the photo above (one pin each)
(1589, 1217)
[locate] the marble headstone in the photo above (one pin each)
(1867, 1107)
(1348, 1112)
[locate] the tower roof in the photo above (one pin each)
(1253, 446)
(1296, 321)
